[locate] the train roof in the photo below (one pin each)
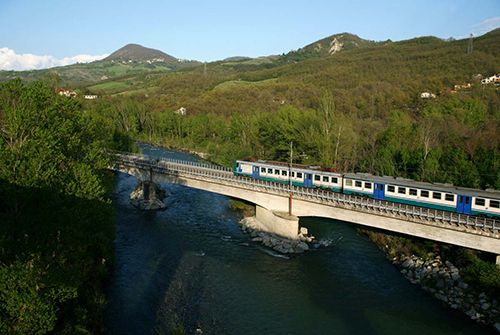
(398, 181)
(450, 188)
(313, 168)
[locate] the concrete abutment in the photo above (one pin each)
(278, 223)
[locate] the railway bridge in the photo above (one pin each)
(272, 204)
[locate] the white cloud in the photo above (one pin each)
(486, 25)
(9, 60)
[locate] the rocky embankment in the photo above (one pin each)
(443, 281)
(148, 196)
(282, 245)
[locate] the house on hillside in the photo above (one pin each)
(427, 95)
(181, 111)
(90, 97)
(495, 79)
(66, 93)
(458, 87)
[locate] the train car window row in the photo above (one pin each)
(284, 173)
(263, 170)
(449, 197)
(368, 185)
(436, 195)
(326, 179)
(317, 177)
(494, 204)
(424, 193)
(348, 182)
(413, 191)
(335, 180)
(293, 174)
(299, 174)
(391, 188)
(358, 184)
(480, 202)
(401, 190)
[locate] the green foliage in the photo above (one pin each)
(56, 227)
(484, 275)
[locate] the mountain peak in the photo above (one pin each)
(328, 46)
(136, 52)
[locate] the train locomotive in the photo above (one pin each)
(400, 190)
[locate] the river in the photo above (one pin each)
(191, 267)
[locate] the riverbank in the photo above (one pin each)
(456, 276)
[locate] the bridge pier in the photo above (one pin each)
(148, 196)
(278, 223)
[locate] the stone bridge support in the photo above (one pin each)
(278, 223)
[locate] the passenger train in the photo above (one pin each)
(406, 191)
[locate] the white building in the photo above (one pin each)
(90, 97)
(495, 79)
(427, 95)
(66, 93)
(181, 111)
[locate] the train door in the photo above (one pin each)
(379, 191)
(464, 204)
(255, 172)
(308, 180)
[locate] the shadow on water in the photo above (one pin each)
(191, 267)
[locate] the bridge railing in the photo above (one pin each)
(225, 176)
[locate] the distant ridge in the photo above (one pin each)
(136, 52)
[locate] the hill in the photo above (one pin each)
(130, 60)
(138, 53)
(358, 109)
(329, 46)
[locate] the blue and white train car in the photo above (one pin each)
(430, 195)
(400, 190)
(300, 175)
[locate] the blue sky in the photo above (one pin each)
(211, 30)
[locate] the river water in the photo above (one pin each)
(191, 267)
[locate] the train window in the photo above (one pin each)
(276, 171)
(348, 182)
(326, 179)
(413, 191)
(480, 202)
(391, 188)
(436, 195)
(335, 180)
(494, 204)
(263, 170)
(368, 185)
(424, 194)
(317, 177)
(284, 173)
(402, 190)
(293, 174)
(299, 175)
(270, 171)
(358, 183)
(449, 197)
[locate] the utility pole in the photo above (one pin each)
(290, 178)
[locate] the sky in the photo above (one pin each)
(41, 34)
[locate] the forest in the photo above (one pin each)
(57, 225)
(358, 110)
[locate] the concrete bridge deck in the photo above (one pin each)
(458, 229)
